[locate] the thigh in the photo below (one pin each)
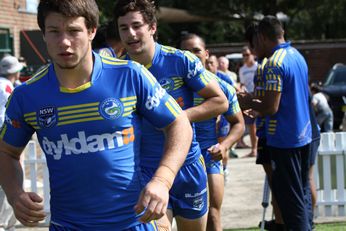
(185, 224)
(216, 190)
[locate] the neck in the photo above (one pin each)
(146, 56)
(77, 76)
(12, 78)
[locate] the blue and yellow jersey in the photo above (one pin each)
(91, 138)
(286, 72)
(206, 130)
(106, 51)
(259, 91)
(180, 73)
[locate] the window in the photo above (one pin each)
(31, 6)
(6, 41)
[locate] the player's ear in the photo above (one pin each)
(92, 33)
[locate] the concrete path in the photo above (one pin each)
(243, 195)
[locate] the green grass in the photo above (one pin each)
(339, 226)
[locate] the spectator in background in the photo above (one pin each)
(224, 67)
(246, 78)
(213, 66)
(324, 113)
(9, 71)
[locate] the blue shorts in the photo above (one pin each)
(263, 157)
(290, 185)
(315, 143)
(223, 127)
(212, 166)
(151, 226)
(188, 197)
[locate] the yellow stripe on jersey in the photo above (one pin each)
(61, 113)
(80, 120)
(113, 61)
(173, 107)
(3, 131)
(30, 114)
(38, 75)
(168, 49)
(78, 106)
(204, 77)
(153, 223)
(77, 89)
(149, 76)
(79, 116)
(129, 105)
(178, 82)
(191, 57)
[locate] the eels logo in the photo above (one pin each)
(111, 109)
(167, 84)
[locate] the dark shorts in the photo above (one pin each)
(263, 157)
(315, 143)
(290, 185)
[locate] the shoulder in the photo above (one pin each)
(177, 53)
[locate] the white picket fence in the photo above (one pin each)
(329, 175)
(330, 180)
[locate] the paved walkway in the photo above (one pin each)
(243, 196)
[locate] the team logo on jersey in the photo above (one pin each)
(47, 117)
(111, 109)
(167, 84)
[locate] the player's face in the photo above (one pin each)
(196, 46)
(68, 40)
(136, 35)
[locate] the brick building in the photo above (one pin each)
(16, 16)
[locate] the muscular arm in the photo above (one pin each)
(266, 105)
(25, 205)
(155, 195)
(237, 129)
(215, 103)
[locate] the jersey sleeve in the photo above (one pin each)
(196, 76)
(230, 92)
(154, 103)
(273, 74)
(15, 130)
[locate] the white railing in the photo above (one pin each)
(36, 176)
(329, 175)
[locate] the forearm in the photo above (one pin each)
(177, 144)
(11, 176)
(210, 108)
(235, 133)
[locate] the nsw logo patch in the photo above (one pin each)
(47, 117)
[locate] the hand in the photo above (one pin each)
(28, 208)
(217, 151)
(154, 199)
(245, 100)
(251, 113)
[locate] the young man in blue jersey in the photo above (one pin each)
(181, 74)
(86, 111)
(288, 128)
(212, 150)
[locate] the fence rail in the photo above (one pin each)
(329, 174)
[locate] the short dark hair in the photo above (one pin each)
(70, 8)
(187, 36)
(250, 33)
(271, 27)
(145, 7)
(105, 32)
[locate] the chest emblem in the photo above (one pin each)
(111, 108)
(47, 117)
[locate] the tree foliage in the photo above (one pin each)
(318, 19)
